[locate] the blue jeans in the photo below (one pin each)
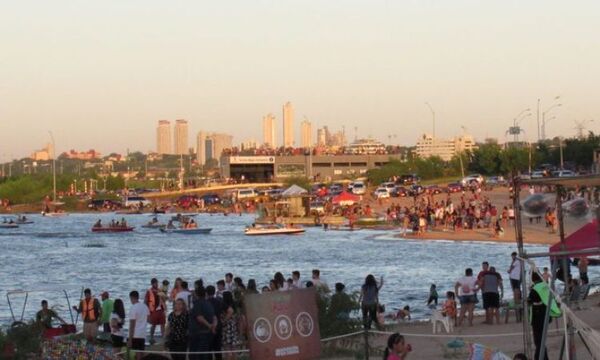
(200, 343)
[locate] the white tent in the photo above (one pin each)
(294, 190)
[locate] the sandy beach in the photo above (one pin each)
(533, 232)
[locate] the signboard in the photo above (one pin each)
(284, 325)
(251, 159)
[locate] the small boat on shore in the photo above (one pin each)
(187, 231)
(112, 229)
(54, 214)
(275, 230)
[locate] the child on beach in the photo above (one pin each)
(433, 296)
(403, 314)
(380, 315)
(449, 308)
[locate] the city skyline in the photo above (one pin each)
(367, 66)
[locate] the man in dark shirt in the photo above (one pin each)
(217, 304)
(203, 326)
(44, 317)
(538, 314)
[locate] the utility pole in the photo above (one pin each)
(538, 121)
(433, 118)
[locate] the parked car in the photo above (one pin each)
(537, 174)
(319, 189)
(433, 190)
(97, 204)
(415, 190)
(496, 181)
(187, 201)
(472, 179)
(242, 194)
(563, 173)
(454, 188)
(381, 193)
(409, 179)
(135, 201)
(336, 189)
(211, 199)
(388, 185)
(399, 191)
(359, 188)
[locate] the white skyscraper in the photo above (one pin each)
(163, 137)
(288, 125)
(181, 137)
(269, 140)
(306, 133)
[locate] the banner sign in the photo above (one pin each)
(251, 159)
(284, 325)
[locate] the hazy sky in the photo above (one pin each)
(101, 73)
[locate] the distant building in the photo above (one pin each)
(81, 155)
(428, 146)
(366, 147)
(249, 144)
(211, 145)
(269, 140)
(163, 137)
(306, 134)
(181, 137)
(44, 154)
(288, 125)
(321, 137)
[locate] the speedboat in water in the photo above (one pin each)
(112, 229)
(8, 226)
(187, 231)
(273, 230)
(54, 214)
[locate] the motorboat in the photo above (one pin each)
(273, 230)
(154, 226)
(112, 229)
(54, 214)
(187, 231)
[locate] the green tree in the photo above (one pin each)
(301, 181)
(514, 160)
(486, 159)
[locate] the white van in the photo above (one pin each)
(359, 188)
(245, 194)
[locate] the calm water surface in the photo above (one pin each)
(52, 253)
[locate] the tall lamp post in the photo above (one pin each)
(543, 127)
(516, 130)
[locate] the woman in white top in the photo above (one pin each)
(466, 287)
(117, 319)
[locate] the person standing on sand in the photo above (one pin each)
(107, 309)
(369, 299)
(491, 289)
(156, 305)
(538, 300)
(138, 319)
(466, 287)
(90, 311)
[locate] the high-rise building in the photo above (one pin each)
(428, 146)
(321, 137)
(181, 137)
(288, 125)
(269, 140)
(211, 146)
(201, 148)
(306, 134)
(163, 137)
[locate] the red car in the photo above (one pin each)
(454, 188)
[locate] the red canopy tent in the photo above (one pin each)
(584, 238)
(345, 199)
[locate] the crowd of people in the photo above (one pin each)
(199, 318)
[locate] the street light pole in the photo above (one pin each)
(538, 121)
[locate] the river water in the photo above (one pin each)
(53, 254)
